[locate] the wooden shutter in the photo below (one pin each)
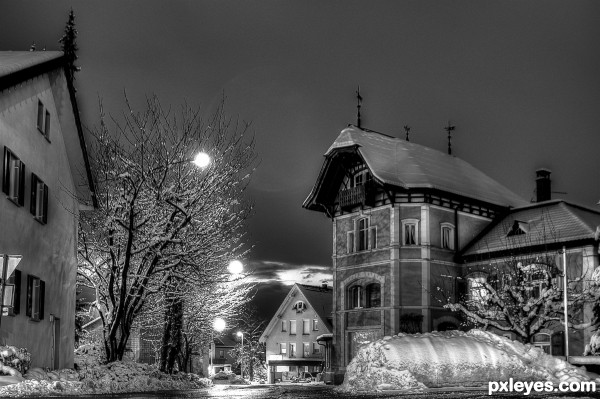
(21, 198)
(16, 277)
(41, 298)
(6, 172)
(29, 295)
(45, 205)
(33, 198)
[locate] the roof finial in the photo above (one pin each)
(358, 102)
(449, 129)
(407, 130)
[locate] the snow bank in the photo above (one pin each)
(91, 377)
(452, 358)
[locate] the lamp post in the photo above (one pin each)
(565, 302)
(241, 334)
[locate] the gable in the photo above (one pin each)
(300, 301)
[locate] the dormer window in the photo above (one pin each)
(518, 228)
(361, 178)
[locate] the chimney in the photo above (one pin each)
(543, 187)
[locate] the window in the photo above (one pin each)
(35, 298)
(221, 353)
(40, 116)
(373, 295)
(410, 232)
(282, 349)
(478, 294)
(361, 178)
(43, 120)
(292, 349)
(363, 237)
(316, 347)
(306, 349)
(283, 325)
(518, 228)
(447, 236)
(13, 182)
(305, 327)
(299, 306)
(38, 205)
(355, 297)
(12, 294)
(315, 325)
(292, 327)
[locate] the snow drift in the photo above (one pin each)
(452, 358)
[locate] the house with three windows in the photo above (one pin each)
(409, 220)
(46, 182)
(296, 339)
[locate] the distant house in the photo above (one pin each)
(220, 359)
(46, 182)
(408, 219)
(292, 336)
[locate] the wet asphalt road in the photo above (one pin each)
(322, 392)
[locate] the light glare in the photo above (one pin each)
(202, 160)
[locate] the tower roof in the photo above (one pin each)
(407, 165)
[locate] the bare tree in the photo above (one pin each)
(162, 220)
(249, 356)
(520, 290)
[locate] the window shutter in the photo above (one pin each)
(42, 292)
(5, 172)
(29, 295)
(21, 184)
(372, 237)
(17, 292)
(47, 125)
(350, 242)
(45, 205)
(33, 197)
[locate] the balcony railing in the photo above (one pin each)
(359, 195)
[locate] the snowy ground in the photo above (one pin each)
(91, 377)
(453, 358)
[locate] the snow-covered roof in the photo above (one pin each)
(14, 61)
(542, 223)
(408, 165)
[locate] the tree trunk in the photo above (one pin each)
(116, 342)
(172, 334)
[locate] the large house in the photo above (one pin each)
(46, 181)
(409, 220)
(293, 336)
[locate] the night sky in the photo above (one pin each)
(519, 79)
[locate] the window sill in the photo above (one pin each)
(39, 220)
(14, 200)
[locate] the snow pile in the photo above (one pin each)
(231, 378)
(452, 358)
(91, 377)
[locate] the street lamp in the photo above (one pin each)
(202, 160)
(241, 334)
(235, 267)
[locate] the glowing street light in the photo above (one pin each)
(219, 324)
(202, 160)
(235, 267)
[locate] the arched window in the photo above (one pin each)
(373, 295)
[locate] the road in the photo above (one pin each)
(316, 391)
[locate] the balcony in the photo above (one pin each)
(359, 195)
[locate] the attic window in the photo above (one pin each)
(518, 228)
(361, 178)
(299, 307)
